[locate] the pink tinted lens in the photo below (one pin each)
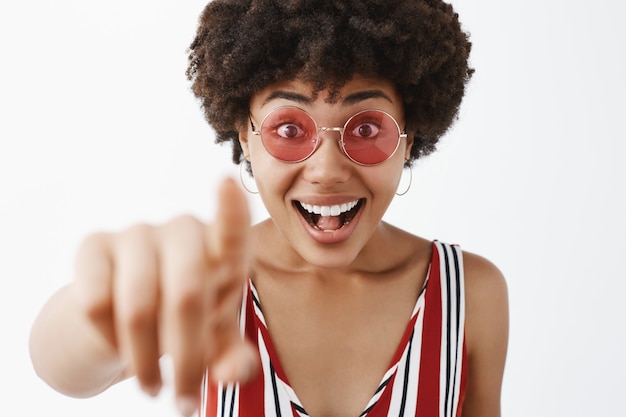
(371, 137)
(289, 134)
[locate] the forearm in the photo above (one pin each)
(67, 350)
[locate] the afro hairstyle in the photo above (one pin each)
(243, 46)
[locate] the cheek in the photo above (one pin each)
(383, 182)
(391, 173)
(388, 180)
(273, 177)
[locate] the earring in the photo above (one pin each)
(410, 182)
(243, 162)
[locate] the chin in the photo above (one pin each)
(329, 257)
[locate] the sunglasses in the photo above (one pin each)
(290, 134)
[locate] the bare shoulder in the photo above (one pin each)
(484, 282)
(487, 329)
(486, 299)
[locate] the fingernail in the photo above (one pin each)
(186, 406)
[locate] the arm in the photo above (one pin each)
(145, 291)
(487, 325)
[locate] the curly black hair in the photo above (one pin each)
(242, 46)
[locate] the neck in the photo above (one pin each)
(385, 252)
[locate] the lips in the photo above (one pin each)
(329, 218)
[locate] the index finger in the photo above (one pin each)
(228, 237)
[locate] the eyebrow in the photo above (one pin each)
(364, 95)
(287, 95)
(347, 101)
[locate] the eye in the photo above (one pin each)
(290, 131)
(365, 130)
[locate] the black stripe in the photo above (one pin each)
(457, 269)
(256, 301)
(448, 325)
(383, 384)
(223, 401)
(368, 409)
(232, 402)
(379, 389)
(275, 389)
(299, 408)
(405, 386)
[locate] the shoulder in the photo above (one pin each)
(486, 300)
(484, 282)
(486, 334)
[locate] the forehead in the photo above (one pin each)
(297, 92)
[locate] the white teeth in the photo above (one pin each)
(335, 210)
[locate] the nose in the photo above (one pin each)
(328, 165)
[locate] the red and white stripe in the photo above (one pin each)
(426, 378)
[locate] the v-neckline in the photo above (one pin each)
(282, 380)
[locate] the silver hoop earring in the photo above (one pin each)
(243, 183)
(410, 182)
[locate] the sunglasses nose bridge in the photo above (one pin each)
(339, 139)
(330, 129)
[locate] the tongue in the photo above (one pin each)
(329, 222)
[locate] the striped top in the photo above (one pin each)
(426, 377)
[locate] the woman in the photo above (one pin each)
(325, 103)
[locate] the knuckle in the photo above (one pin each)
(185, 223)
(184, 229)
(139, 230)
(183, 247)
(134, 236)
(93, 244)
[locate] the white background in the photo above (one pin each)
(98, 130)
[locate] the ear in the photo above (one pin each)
(243, 141)
(410, 138)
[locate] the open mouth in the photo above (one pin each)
(329, 218)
